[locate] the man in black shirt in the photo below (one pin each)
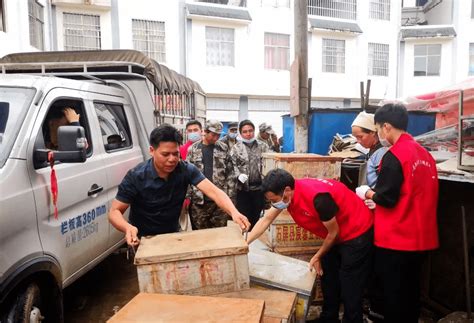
(155, 190)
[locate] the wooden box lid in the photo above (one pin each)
(301, 157)
(277, 271)
(184, 308)
(198, 244)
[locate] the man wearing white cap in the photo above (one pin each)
(363, 129)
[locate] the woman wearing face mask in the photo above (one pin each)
(363, 129)
(330, 210)
(246, 157)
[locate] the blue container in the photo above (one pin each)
(421, 122)
(325, 123)
(288, 134)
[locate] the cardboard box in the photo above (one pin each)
(280, 306)
(202, 262)
(183, 308)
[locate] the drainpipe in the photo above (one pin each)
(50, 23)
(185, 54)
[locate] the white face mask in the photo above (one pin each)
(194, 136)
(384, 142)
(248, 141)
(233, 135)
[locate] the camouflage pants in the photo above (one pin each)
(207, 215)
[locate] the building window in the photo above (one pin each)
(471, 59)
(344, 9)
(427, 60)
(275, 3)
(277, 51)
(2, 16)
(36, 17)
(379, 9)
(421, 3)
(149, 38)
(81, 32)
(334, 53)
(219, 46)
(378, 59)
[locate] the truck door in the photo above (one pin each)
(80, 233)
(118, 140)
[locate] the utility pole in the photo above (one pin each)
(300, 80)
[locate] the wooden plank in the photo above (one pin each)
(182, 308)
(278, 304)
(190, 245)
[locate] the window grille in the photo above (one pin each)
(149, 38)
(81, 32)
(344, 9)
(334, 55)
(36, 18)
(379, 9)
(378, 59)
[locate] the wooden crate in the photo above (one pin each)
(304, 165)
(202, 262)
(183, 308)
(280, 306)
(284, 232)
(274, 271)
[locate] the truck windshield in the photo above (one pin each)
(14, 103)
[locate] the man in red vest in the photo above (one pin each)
(330, 210)
(406, 198)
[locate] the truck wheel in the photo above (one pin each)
(28, 306)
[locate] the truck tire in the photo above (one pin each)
(28, 306)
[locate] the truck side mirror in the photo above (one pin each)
(72, 144)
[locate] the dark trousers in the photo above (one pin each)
(400, 273)
(346, 268)
(251, 204)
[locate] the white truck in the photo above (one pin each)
(120, 97)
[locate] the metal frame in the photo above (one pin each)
(462, 117)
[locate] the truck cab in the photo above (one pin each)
(54, 198)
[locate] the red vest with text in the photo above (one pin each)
(353, 217)
(410, 225)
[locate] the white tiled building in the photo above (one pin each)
(240, 51)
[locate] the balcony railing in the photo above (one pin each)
(237, 3)
(343, 9)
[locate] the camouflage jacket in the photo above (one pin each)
(222, 170)
(269, 143)
(240, 163)
(228, 141)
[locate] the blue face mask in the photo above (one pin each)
(233, 135)
(194, 136)
(280, 205)
(384, 142)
